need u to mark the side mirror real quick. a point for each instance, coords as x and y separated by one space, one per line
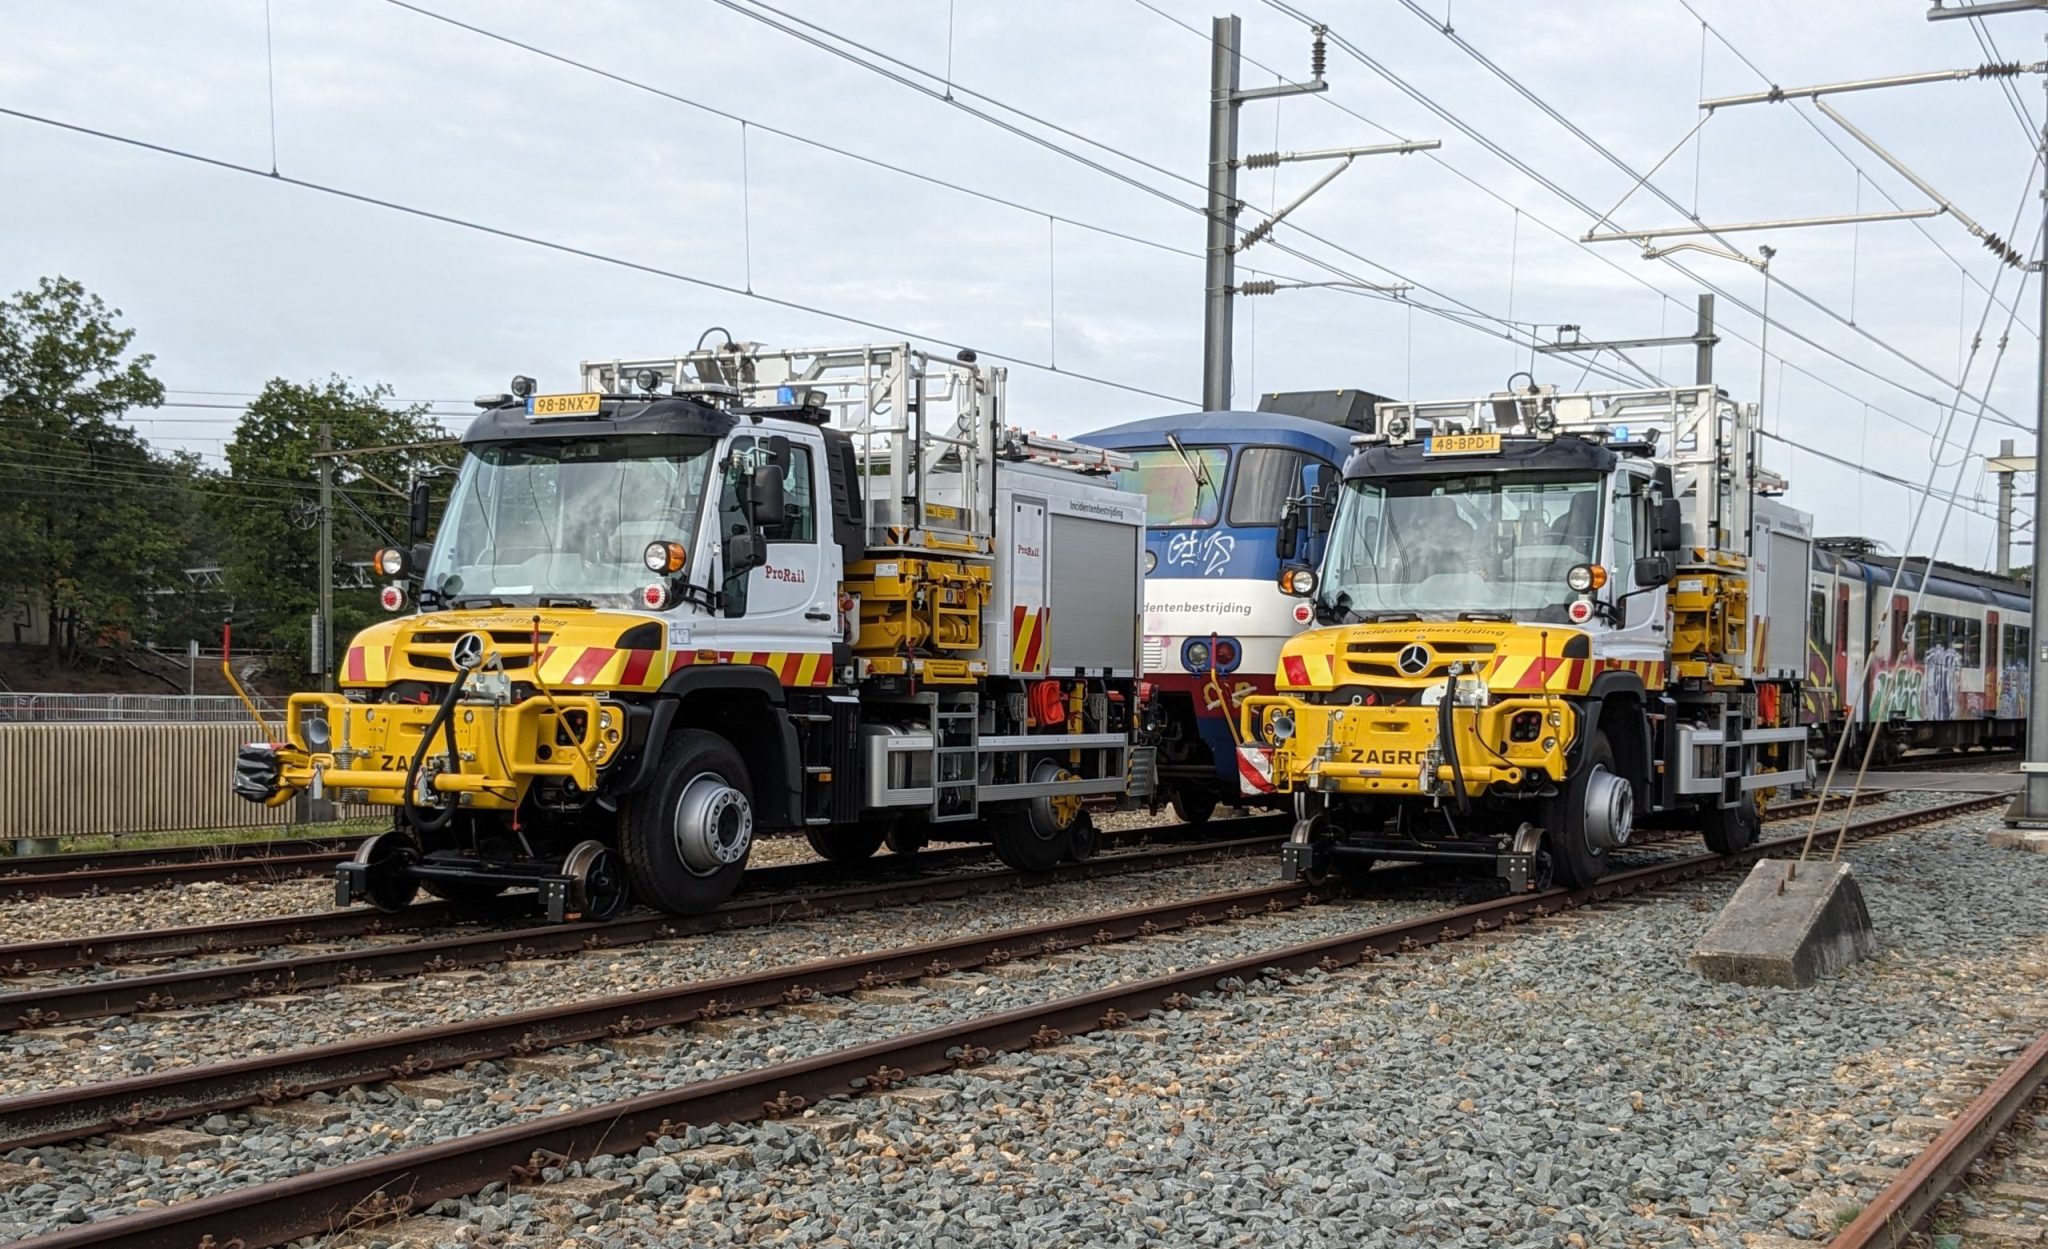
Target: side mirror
1322 496
763 499
1287 542
744 552
1665 537
419 515
1653 571
778 452
421 553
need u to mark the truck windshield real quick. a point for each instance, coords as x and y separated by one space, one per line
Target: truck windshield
567 518
1180 491
1490 543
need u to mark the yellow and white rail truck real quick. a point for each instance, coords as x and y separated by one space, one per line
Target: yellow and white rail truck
1542 619
734 591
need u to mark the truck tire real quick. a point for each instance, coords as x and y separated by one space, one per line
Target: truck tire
1578 857
1728 829
686 833
1193 805
1037 835
846 843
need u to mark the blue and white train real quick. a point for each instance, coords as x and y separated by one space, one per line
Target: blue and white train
1218 487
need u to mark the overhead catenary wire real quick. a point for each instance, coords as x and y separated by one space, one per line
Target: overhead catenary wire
570 249
1834 142
1557 189
788 24
1425 100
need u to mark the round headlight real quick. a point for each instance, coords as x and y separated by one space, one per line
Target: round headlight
647 380
1580 578
1195 655
1151 562
522 386
389 562
664 557
1300 582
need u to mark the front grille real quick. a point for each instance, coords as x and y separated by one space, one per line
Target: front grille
503 637
1376 659
1154 654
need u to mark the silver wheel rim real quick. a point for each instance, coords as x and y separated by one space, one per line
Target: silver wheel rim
1610 810
714 824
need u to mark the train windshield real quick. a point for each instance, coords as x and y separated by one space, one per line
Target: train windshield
1486 543
1183 487
567 518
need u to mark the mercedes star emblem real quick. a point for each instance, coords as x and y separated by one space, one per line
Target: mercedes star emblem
1413 660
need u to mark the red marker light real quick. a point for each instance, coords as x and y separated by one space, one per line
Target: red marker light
1296 670
1303 613
654 597
1580 611
392 597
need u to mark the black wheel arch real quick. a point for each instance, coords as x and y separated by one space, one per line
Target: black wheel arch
742 704
1618 705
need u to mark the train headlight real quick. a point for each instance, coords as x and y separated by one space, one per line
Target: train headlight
1299 581
1151 562
1194 655
1223 652
1585 578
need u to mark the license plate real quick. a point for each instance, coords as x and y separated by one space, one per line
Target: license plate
563 405
1462 444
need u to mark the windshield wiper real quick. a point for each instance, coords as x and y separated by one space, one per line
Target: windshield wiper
560 601
1486 615
1196 468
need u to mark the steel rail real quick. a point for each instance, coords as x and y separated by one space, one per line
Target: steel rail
331 1199
94 999
63 1114
12 866
1890 1217
63 884
148 944
145 944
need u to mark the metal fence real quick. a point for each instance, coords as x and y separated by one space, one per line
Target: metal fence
59 780
129 709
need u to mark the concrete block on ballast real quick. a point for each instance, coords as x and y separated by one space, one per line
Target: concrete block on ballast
1788 925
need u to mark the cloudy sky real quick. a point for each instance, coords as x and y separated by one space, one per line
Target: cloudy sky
685 179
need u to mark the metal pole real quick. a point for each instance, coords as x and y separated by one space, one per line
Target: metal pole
2005 512
325 634
2035 802
1703 334
1221 272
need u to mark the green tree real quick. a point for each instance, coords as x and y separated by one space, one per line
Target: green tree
91 521
266 512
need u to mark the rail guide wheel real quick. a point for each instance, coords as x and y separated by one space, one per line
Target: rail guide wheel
1307 855
597 881
386 861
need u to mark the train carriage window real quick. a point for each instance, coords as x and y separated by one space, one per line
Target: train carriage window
1817 623
1970 642
1923 635
1267 477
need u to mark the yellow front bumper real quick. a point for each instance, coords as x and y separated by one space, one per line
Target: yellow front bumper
1386 751
501 750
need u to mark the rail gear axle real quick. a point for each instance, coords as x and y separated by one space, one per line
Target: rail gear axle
1543 621
738 591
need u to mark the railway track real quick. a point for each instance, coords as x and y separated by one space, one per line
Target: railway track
157 944
44 1005
124 877
1904 1206
336 1197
